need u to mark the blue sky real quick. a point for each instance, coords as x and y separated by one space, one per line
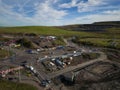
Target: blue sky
57 12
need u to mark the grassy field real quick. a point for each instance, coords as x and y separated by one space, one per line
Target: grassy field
94 38
100 42
42 30
6 85
109 38
113 32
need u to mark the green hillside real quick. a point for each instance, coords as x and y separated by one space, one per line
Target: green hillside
113 32
108 23
97 27
41 30
102 38
100 42
44 30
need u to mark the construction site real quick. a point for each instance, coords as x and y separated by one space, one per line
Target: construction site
52 66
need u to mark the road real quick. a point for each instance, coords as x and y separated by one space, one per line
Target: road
102 57
70 43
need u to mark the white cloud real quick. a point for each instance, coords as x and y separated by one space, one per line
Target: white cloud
113 12
104 16
111 15
73 3
82 6
46 11
45 14
90 5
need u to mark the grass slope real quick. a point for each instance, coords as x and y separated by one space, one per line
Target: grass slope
41 30
108 23
101 42
96 37
6 85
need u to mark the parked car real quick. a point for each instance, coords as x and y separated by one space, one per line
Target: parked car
44 83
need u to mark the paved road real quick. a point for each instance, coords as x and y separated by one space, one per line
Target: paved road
102 57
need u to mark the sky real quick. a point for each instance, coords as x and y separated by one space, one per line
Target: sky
57 12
